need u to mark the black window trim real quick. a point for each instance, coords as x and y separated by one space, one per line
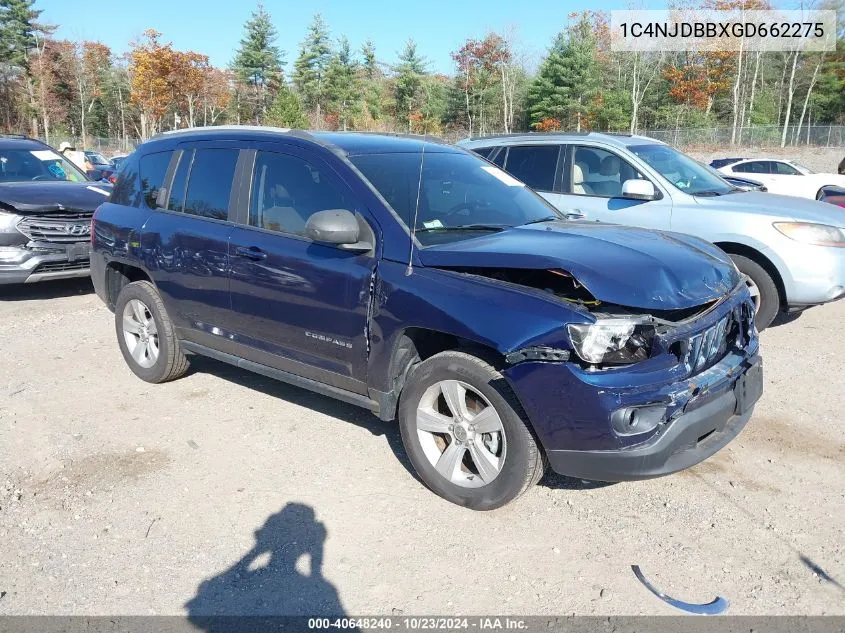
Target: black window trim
570 150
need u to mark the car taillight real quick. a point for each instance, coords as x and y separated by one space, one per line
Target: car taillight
113 179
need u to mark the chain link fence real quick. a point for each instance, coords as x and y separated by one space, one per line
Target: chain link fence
747 136
752 136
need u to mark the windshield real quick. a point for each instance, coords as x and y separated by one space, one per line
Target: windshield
682 171
459 195
19 165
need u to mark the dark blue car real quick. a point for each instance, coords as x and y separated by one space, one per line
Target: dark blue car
421 282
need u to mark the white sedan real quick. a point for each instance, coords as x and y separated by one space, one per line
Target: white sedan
780 176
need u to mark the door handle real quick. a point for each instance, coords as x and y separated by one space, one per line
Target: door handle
250 252
573 214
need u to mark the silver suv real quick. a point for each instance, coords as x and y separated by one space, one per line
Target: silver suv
790 249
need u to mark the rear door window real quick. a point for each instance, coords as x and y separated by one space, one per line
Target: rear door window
753 167
153 170
535 165
209 183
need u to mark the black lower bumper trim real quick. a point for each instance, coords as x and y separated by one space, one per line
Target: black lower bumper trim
687 440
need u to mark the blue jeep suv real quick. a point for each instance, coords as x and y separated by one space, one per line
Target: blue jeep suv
423 283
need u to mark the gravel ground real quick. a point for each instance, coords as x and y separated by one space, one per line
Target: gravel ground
228 492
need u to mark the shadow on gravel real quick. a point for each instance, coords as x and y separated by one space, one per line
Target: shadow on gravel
561 482
280 576
785 319
46 290
308 399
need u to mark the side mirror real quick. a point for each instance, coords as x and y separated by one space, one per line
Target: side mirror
637 189
338 227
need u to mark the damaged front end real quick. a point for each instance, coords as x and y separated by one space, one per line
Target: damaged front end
640 392
39 244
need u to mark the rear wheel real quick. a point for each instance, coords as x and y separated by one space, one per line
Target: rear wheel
146 336
763 289
465 432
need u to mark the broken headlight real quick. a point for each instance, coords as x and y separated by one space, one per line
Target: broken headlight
612 341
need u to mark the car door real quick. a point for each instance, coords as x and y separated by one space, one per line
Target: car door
185 243
592 188
301 306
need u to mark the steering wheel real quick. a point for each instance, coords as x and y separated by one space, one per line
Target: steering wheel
469 206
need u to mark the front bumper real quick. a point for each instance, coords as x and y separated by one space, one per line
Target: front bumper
40 262
690 438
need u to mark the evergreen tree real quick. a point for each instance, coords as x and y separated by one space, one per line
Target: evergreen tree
286 110
309 73
368 52
566 82
343 85
409 76
372 79
17 31
258 61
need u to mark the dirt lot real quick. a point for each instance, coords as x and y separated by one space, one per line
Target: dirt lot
228 492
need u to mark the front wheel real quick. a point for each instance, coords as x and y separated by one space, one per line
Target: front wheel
465 432
763 290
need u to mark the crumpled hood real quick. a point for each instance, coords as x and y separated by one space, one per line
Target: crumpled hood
40 196
776 206
632 267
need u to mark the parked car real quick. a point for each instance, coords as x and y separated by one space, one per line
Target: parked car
101 167
416 280
833 195
745 184
781 176
790 249
117 160
46 204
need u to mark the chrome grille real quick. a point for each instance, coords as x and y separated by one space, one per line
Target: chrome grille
49 267
707 347
56 228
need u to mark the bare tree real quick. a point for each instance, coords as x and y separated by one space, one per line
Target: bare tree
789 95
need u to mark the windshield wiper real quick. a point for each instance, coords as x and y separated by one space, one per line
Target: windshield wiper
708 193
465 227
549 218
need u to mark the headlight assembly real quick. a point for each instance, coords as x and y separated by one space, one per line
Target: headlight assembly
612 341
810 233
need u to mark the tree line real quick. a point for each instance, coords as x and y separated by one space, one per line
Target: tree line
55 88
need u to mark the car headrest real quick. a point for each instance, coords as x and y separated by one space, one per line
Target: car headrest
577 174
609 166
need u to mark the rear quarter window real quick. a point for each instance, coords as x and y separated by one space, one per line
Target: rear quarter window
127 189
153 169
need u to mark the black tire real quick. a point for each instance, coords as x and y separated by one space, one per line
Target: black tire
770 299
524 462
172 362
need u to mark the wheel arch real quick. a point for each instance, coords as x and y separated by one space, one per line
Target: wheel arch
118 275
415 344
736 248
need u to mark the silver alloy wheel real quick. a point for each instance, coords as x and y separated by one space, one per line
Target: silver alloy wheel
140 333
755 293
461 434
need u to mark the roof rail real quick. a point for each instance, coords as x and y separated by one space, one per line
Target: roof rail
22 136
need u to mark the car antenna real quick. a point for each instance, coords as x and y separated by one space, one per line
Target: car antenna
410 268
